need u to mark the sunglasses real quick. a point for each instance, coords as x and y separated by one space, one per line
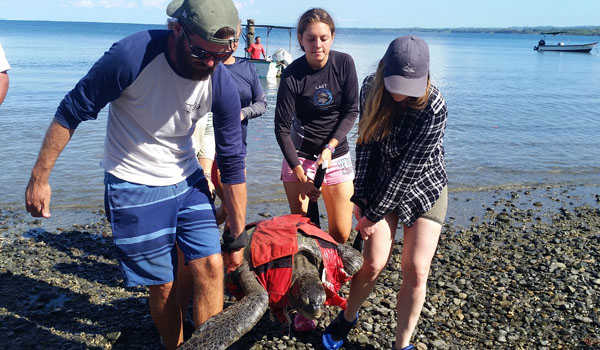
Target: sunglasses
201 54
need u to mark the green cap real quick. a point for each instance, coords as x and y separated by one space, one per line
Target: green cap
205 17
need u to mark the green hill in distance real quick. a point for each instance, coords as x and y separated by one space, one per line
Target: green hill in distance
584 30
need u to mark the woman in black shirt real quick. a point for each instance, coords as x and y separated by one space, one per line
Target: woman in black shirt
317 105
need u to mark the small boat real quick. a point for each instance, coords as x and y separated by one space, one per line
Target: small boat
273 65
560 46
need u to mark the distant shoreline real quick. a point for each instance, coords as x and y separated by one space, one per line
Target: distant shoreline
580 30
573 30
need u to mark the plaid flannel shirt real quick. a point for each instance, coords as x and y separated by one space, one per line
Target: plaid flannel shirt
405 172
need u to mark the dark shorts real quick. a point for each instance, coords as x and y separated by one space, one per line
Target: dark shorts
147 221
438 212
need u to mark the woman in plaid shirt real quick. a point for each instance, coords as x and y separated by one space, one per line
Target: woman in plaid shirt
400 176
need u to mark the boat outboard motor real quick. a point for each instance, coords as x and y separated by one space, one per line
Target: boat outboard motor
281 56
540 43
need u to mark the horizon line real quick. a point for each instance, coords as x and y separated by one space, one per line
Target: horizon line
392 28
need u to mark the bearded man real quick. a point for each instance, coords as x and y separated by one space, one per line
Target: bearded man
159 83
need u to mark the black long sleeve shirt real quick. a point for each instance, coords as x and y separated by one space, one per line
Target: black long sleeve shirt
314 106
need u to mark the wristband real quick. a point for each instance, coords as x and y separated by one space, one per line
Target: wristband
231 243
331 148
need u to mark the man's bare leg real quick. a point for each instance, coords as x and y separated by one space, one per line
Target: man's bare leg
208 287
166 314
183 284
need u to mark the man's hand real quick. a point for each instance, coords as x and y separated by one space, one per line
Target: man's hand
38 191
211 189
233 259
37 198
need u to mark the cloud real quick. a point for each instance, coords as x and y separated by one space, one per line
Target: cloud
83 3
243 4
239 5
339 19
116 3
161 4
104 3
247 9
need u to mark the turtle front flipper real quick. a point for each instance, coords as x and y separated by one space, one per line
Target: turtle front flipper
352 259
228 326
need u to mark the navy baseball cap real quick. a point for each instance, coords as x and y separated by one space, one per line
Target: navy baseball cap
406 66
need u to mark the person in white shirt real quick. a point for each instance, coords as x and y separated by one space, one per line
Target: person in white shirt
4 67
158 85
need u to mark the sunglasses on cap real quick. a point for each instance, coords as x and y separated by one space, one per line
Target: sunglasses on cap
201 54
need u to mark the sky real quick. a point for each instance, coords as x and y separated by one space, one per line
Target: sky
346 13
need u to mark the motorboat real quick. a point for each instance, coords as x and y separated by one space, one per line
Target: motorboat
560 46
273 65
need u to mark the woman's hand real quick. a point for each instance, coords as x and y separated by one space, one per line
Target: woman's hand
357 212
327 153
325 157
308 187
299 172
366 227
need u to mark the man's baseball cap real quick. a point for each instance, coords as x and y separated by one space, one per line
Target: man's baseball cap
406 66
205 17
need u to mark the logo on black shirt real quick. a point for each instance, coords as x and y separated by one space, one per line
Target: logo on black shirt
323 97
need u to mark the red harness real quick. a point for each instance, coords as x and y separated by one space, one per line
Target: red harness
274 244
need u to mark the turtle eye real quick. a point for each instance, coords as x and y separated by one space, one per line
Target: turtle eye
305 300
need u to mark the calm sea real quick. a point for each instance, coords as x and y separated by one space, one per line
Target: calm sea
517 117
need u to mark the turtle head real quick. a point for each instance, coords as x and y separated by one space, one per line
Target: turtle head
307 296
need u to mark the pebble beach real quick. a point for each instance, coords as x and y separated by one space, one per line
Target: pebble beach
515 269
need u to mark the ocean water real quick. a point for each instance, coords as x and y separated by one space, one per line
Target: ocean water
517 117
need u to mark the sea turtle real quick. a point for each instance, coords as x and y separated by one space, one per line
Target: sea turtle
289 263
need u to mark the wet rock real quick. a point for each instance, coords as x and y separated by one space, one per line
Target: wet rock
113 336
516 275
503 217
